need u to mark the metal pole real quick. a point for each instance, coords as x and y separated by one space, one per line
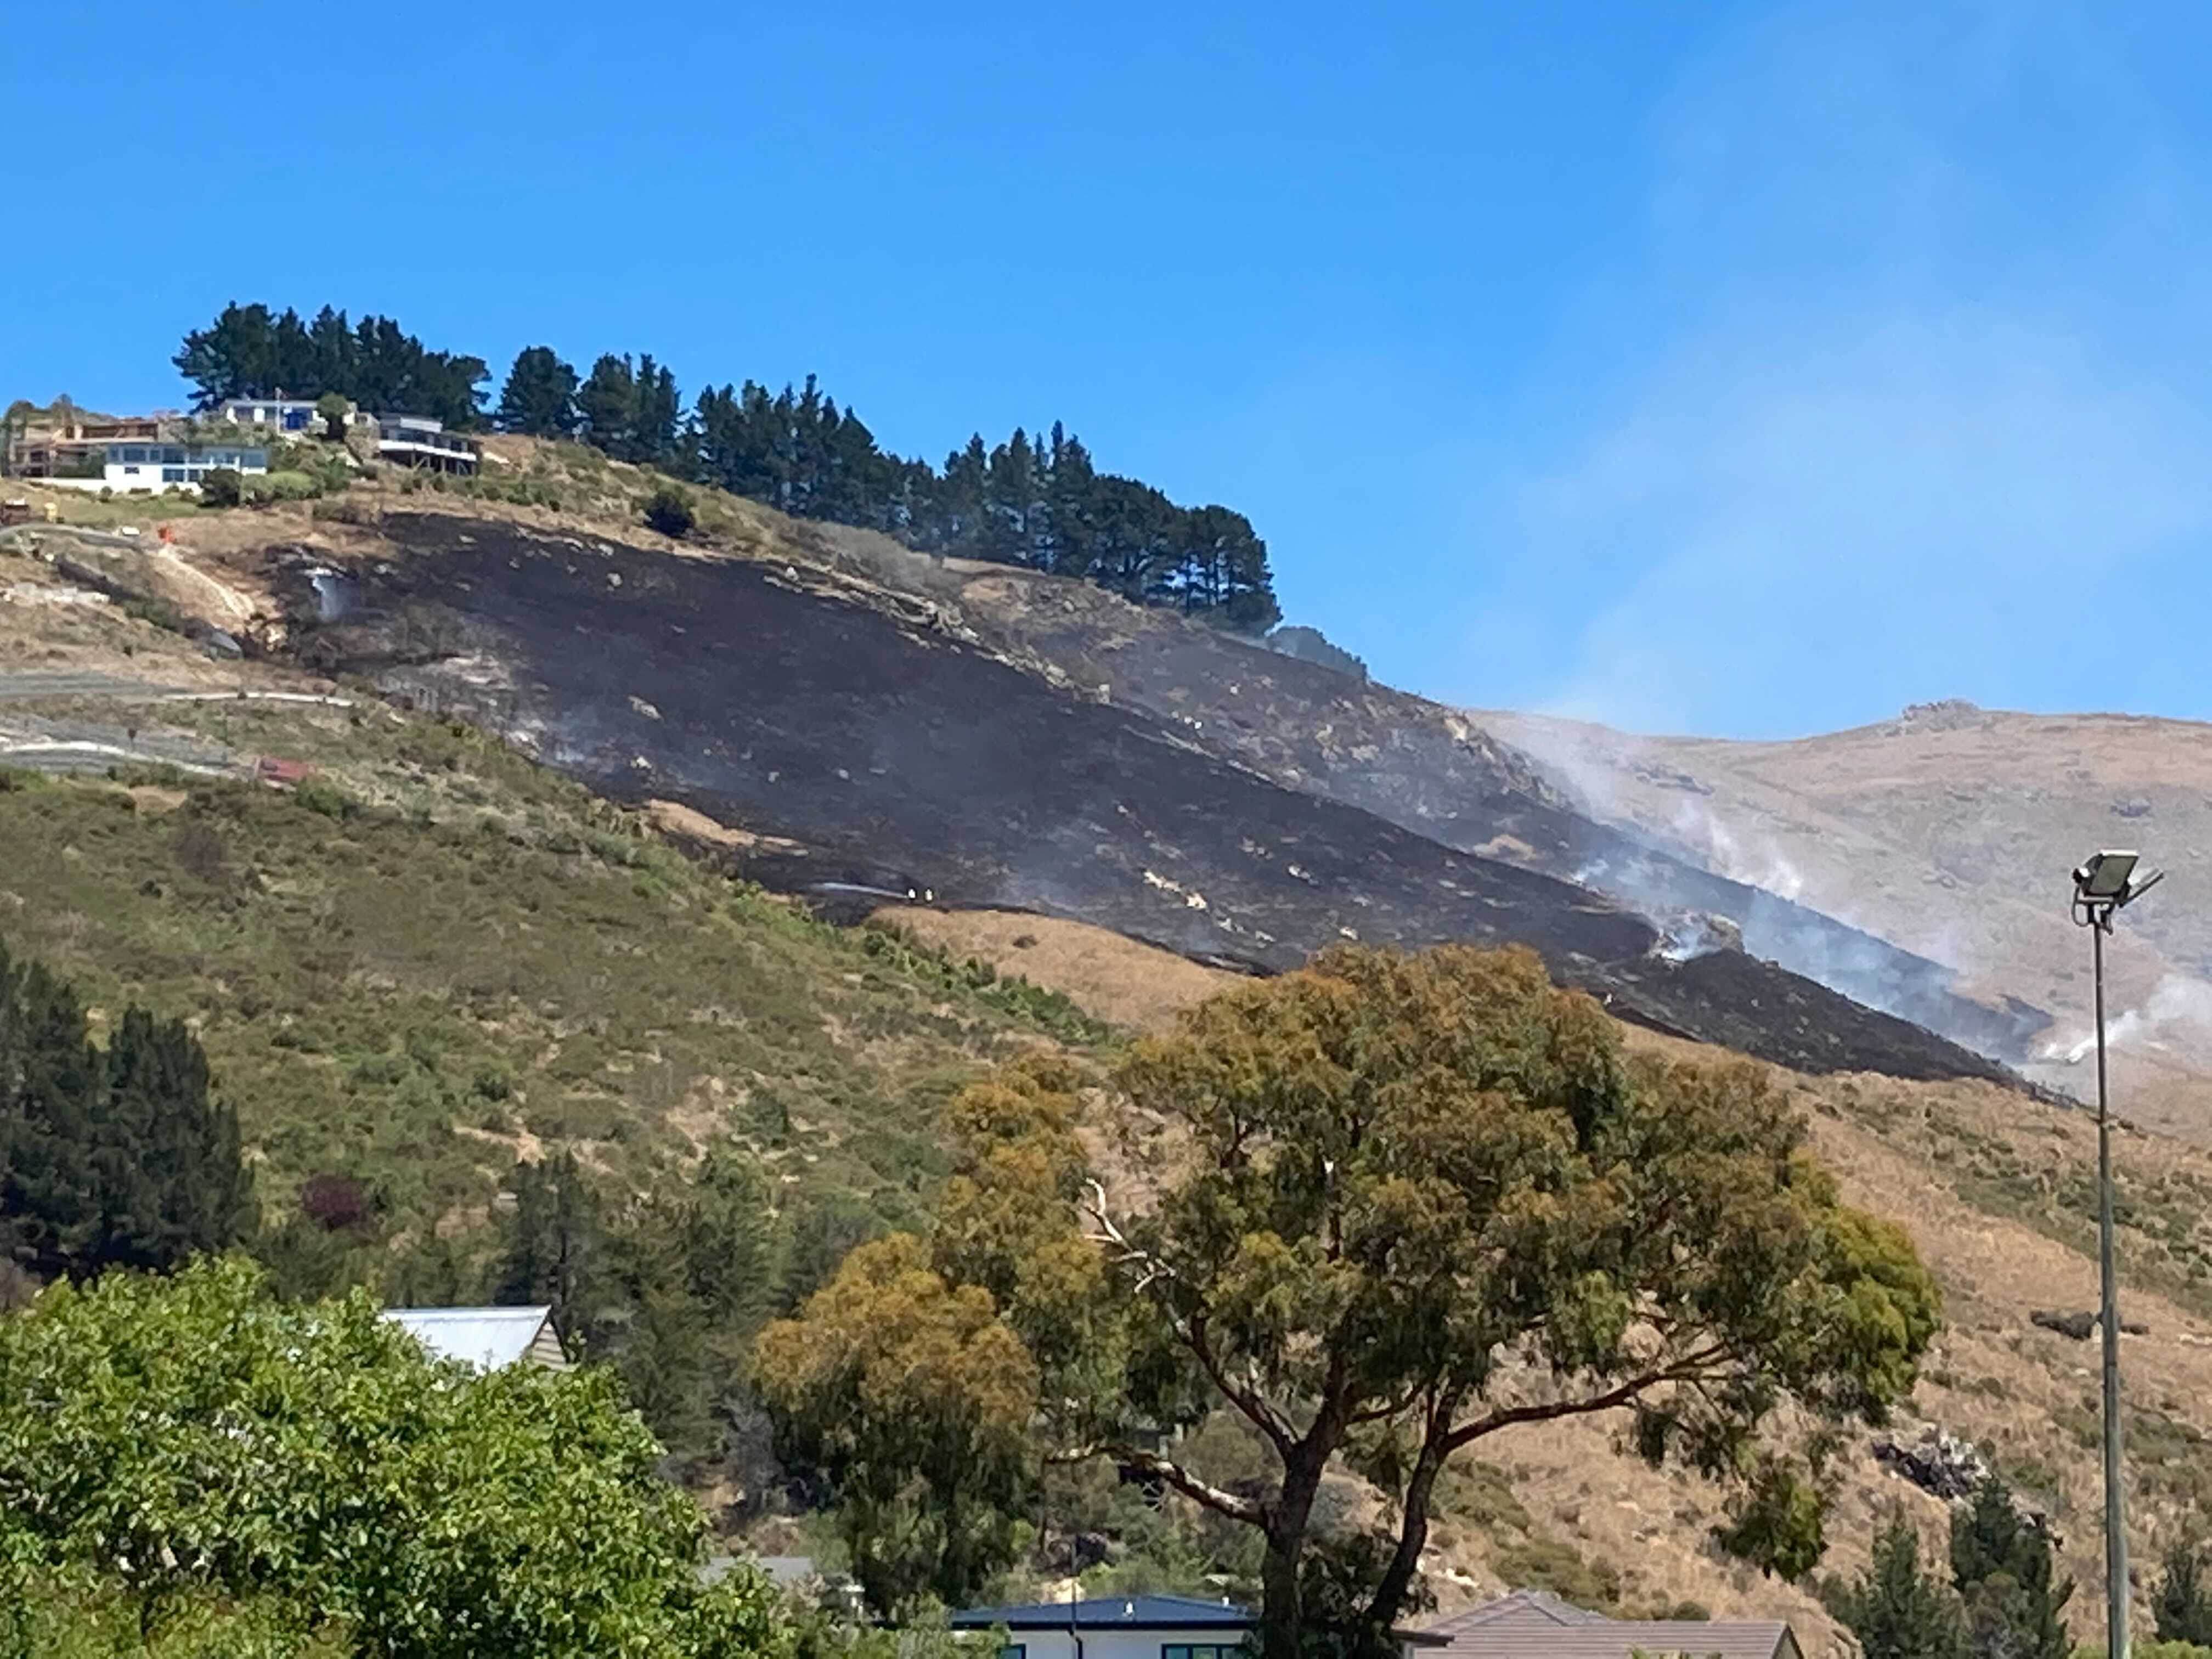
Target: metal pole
2116 1537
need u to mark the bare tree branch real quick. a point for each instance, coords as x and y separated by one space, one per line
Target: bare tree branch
1689 1369
1214 1497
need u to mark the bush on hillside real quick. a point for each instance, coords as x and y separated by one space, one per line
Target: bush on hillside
285 486
222 486
668 510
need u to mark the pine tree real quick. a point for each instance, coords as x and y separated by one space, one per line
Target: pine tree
121 1158
659 411
2002 1567
2182 1608
178 1184
557 1248
606 404
50 1184
539 397
1897 1610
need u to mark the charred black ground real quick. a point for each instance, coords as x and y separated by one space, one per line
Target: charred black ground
895 757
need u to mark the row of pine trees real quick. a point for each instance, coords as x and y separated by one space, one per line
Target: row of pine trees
1037 501
113 1156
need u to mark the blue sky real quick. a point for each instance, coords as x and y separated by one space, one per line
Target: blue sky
1747 369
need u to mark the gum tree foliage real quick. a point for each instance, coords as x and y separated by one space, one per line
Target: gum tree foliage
1413 1202
904 1380
170 1441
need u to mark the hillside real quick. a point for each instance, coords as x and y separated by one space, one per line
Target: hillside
876 741
435 954
1950 831
440 954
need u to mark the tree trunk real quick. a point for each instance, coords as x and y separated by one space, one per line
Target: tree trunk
1282 1618
1414 1525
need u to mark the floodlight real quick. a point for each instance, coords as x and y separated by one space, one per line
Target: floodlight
2103 886
2104 878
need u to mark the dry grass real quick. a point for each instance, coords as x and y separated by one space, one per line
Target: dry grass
1118 980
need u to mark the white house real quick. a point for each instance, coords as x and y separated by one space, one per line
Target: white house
123 467
1132 1627
489 1338
1533 1625
284 414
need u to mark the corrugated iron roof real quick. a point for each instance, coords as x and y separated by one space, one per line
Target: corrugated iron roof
487 1338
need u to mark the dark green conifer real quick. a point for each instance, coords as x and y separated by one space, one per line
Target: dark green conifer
2001 1565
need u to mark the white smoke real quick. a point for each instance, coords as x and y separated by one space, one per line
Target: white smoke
2178 1011
1725 853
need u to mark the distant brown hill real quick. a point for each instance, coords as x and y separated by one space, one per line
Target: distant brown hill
1950 831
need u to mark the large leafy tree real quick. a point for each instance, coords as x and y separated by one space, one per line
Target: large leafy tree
1414 1202
192 1435
1428 1199
905 1382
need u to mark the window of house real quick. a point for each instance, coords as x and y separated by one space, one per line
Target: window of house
1199 1650
1015 1651
172 475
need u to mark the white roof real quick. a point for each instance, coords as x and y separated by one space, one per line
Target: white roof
487 1338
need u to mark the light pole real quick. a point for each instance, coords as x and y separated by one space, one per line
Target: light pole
2103 886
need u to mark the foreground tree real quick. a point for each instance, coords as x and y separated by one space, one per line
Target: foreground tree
1419 1201
1429 1199
904 1384
1897 1610
339 1476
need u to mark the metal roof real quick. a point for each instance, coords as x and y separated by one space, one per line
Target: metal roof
1119 1612
1533 1625
487 1338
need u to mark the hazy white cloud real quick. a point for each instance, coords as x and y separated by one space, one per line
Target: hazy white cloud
1929 371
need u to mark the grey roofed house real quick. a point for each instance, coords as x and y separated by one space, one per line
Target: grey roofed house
489 1338
1132 1627
1533 1625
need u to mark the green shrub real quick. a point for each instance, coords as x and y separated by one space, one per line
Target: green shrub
319 796
222 486
284 487
668 510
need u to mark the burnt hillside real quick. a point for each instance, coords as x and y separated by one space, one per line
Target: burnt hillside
1444 775
884 751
